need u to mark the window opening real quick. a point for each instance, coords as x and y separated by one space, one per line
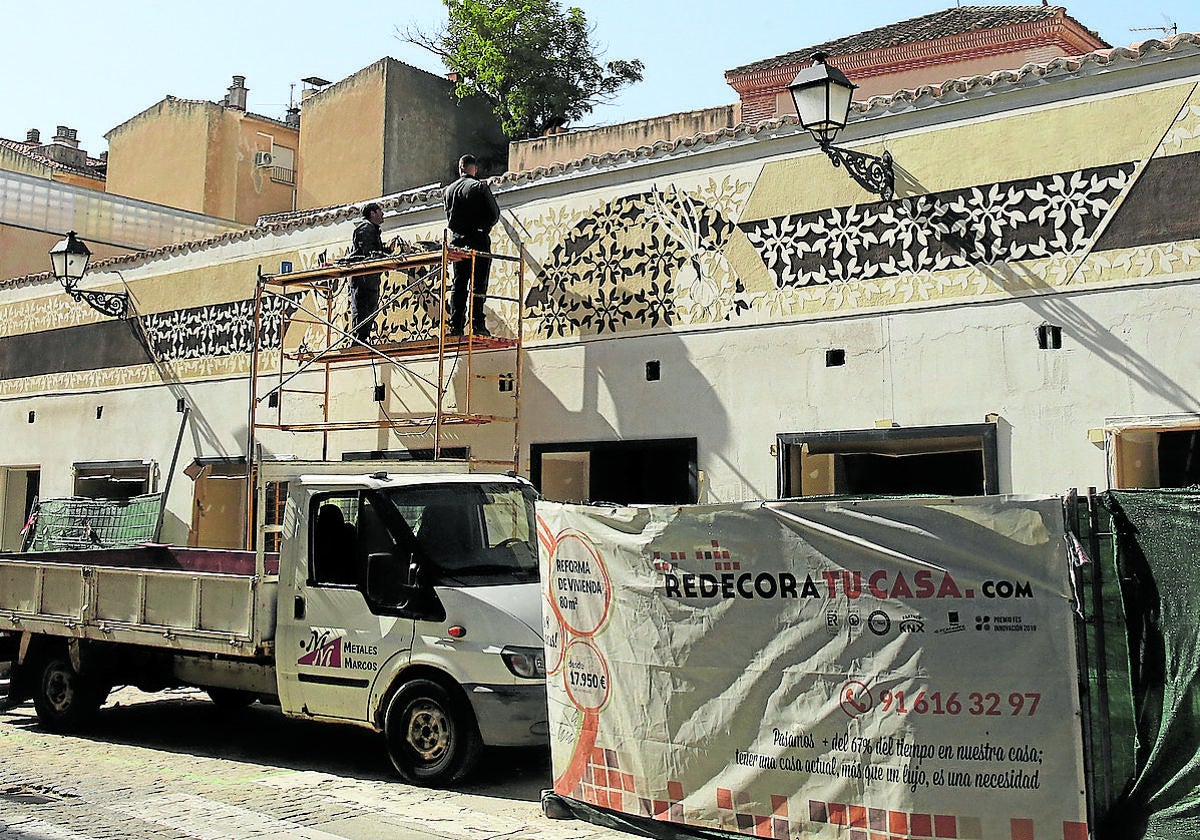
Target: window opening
661 471
113 479
942 460
334 554
1179 458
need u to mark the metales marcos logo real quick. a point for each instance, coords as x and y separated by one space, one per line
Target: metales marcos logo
322 649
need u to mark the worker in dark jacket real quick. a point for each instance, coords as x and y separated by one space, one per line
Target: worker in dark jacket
471 212
366 244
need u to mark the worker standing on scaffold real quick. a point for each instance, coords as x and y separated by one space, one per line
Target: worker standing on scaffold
471 212
366 244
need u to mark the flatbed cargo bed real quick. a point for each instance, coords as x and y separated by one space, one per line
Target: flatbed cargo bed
182 599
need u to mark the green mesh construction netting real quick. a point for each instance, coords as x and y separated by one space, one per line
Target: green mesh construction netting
79 524
1156 589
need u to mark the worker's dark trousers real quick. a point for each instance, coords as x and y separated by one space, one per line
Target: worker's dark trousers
462 284
364 300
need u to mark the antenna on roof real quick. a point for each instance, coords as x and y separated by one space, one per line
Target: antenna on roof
1170 29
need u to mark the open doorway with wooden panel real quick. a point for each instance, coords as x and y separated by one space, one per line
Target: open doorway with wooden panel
958 460
218 502
1151 452
20 487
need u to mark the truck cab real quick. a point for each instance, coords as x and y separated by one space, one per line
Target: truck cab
411 604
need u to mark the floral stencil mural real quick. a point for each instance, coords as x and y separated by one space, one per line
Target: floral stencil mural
1048 216
651 259
665 258
219 329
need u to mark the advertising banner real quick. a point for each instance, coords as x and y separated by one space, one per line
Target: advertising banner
869 670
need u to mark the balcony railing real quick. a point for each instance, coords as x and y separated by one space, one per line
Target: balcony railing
283 175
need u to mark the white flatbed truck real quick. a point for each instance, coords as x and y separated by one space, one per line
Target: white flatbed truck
404 602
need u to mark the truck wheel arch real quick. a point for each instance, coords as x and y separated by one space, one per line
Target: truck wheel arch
430 730
33 652
407 675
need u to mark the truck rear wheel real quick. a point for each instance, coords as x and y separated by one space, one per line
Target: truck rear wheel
66 700
8 693
432 738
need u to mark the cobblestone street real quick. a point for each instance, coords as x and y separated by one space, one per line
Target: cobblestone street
173 766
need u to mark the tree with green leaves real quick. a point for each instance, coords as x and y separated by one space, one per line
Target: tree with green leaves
533 60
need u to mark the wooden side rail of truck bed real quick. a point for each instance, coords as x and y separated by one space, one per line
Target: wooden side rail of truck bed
183 599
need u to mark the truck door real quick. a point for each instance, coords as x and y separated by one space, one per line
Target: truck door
335 639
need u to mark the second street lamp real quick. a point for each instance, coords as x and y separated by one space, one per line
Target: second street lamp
822 94
69 260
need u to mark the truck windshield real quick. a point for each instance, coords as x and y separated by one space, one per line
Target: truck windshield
472 534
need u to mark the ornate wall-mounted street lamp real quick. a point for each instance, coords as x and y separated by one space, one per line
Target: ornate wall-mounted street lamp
69 260
822 95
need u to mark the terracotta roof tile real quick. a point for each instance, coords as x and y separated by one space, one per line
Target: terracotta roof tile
1063 65
27 150
924 28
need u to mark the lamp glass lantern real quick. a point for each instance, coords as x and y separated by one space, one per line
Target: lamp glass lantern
69 259
822 95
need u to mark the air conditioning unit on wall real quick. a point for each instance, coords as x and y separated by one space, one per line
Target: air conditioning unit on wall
262 159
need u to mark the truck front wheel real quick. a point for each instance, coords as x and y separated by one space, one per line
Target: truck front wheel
66 700
432 738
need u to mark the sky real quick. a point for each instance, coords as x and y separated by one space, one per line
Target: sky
91 66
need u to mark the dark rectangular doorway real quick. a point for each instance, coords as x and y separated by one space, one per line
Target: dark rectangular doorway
660 472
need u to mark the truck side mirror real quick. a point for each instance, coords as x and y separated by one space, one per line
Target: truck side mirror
388 581
394 583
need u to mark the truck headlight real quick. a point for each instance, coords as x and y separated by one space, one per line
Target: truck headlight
526 662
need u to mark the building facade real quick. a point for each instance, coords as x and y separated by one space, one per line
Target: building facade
47 189
214 158
387 128
721 319
62 159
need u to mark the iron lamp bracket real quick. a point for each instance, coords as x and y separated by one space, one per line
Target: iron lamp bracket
112 304
874 174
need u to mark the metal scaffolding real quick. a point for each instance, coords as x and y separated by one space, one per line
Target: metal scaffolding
297 315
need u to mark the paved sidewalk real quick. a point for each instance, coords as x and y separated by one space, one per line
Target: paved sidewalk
172 766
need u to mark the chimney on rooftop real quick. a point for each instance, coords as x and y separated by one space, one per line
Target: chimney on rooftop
67 137
64 148
293 117
236 98
312 84
33 136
